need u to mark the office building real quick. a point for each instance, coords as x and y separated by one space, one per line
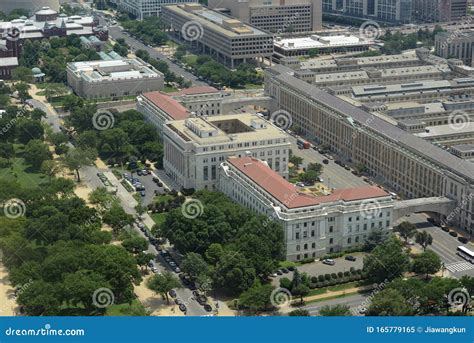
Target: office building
439 10
158 107
227 39
302 46
112 79
457 44
314 225
386 11
408 164
7 65
195 147
145 8
276 16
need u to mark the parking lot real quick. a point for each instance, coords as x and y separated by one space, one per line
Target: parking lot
334 175
319 268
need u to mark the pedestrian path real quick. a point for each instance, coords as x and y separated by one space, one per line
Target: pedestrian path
459 266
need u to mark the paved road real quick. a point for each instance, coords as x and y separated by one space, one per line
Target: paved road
355 302
334 176
445 246
115 32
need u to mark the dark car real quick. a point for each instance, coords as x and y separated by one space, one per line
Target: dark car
155 179
279 272
207 308
182 307
142 193
463 240
291 268
350 258
172 293
284 270
326 161
346 167
453 233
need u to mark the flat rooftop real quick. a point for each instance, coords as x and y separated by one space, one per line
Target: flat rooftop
316 41
110 70
217 21
288 194
230 128
367 120
447 130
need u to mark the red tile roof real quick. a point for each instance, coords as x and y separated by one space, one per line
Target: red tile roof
169 105
196 90
288 194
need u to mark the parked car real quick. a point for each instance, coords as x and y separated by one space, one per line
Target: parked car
463 240
350 258
329 261
182 307
207 308
142 193
453 233
172 293
325 161
279 272
284 270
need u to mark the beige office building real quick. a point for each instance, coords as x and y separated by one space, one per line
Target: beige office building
412 166
227 39
276 16
314 225
195 147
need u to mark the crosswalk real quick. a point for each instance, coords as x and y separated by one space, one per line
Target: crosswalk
459 266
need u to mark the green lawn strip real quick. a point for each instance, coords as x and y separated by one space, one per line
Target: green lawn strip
318 291
331 297
158 218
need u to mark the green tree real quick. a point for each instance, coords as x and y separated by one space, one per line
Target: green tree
389 302
406 230
299 313
374 239
309 176
36 152
77 158
424 239
40 299
427 263
296 161
29 129
163 283
257 298
50 169
144 258
336 310
194 265
386 262
22 74
135 244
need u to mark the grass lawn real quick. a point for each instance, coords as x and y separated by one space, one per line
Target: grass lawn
331 297
158 218
253 86
286 264
335 288
135 309
20 171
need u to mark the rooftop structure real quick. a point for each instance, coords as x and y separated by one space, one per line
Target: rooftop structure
112 78
194 147
145 8
300 46
231 40
160 107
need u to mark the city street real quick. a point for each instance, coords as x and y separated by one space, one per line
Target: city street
353 301
444 245
334 175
